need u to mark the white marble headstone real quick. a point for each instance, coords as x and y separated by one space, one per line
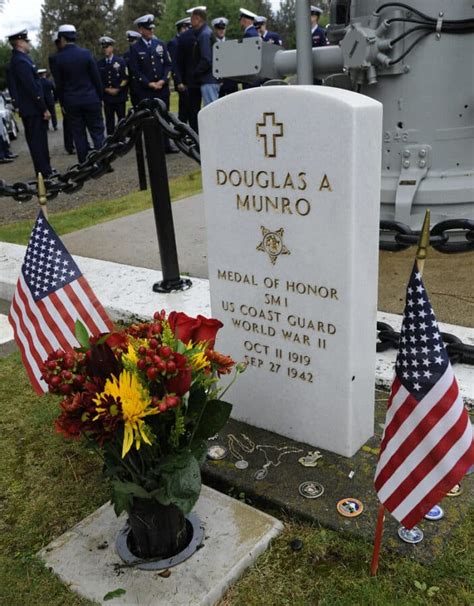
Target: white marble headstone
291 180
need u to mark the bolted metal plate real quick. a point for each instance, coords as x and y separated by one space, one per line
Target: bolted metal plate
234 58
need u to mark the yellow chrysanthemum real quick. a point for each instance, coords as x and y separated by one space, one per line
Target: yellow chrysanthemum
130 357
135 401
199 361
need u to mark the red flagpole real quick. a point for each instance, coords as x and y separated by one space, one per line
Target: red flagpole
377 541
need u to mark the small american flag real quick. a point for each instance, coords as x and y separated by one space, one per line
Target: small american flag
427 443
51 294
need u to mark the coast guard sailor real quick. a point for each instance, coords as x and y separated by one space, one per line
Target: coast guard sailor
29 99
228 86
247 22
132 37
318 33
185 61
182 26
49 92
265 35
79 90
113 72
150 65
67 130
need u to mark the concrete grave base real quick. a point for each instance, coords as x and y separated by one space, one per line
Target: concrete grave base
235 535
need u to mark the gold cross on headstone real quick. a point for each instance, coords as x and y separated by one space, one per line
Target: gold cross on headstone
269 130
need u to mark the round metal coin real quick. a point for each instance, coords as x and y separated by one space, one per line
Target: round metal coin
241 464
435 513
216 452
311 490
415 535
260 474
350 508
455 491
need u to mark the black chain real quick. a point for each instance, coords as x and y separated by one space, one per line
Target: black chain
451 236
387 338
116 145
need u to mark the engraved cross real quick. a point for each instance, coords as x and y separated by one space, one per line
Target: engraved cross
268 130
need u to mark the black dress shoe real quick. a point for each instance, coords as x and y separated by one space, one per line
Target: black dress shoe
5 160
70 151
11 155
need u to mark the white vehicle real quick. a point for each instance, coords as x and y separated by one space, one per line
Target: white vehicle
8 118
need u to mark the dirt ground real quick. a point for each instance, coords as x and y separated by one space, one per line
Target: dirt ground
448 278
122 181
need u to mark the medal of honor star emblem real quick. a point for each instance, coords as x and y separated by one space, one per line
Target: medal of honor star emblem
272 243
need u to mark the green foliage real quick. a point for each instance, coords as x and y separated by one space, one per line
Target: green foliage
116 593
215 415
5 55
81 334
179 427
180 482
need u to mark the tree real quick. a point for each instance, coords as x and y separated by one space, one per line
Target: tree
285 23
5 56
91 19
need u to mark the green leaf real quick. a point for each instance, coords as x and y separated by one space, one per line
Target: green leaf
180 482
81 334
199 450
114 594
197 399
123 493
417 584
215 415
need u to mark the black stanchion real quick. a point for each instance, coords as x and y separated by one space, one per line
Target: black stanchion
140 163
160 193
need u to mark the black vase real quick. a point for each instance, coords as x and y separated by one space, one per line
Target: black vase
157 531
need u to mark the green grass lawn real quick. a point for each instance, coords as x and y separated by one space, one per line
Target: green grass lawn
48 484
99 212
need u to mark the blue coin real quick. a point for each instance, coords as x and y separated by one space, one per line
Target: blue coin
435 513
415 535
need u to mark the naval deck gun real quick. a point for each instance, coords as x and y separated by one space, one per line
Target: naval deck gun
417 59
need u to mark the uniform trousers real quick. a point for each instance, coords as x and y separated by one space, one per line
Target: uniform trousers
195 99
52 110
86 118
183 106
36 134
111 110
67 134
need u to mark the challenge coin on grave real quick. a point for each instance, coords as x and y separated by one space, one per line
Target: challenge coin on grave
216 452
311 459
311 490
435 513
350 508
241 464
415 535
455 491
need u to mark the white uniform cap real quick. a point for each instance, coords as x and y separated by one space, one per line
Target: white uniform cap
66 29
220 22
105 40
260 19
130 33
243 12
145 21
190 11
185 21
316 10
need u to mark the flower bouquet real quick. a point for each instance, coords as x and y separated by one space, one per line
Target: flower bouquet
147 398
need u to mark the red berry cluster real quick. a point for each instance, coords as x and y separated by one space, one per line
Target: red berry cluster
166 403
64 372
156 360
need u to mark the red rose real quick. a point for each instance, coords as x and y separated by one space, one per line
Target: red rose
181 382
200 329
207 330
182 325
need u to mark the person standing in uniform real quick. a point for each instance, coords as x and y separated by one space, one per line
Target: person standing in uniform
132 37
203 56
49 92
182 25
150 64
30 101
247 22
113 72
265 35
228 86
80 91
67 130
185 68
318 33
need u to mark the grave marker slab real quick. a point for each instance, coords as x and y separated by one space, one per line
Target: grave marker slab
291 180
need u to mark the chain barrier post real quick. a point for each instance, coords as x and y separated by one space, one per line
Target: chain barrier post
140 162
160 193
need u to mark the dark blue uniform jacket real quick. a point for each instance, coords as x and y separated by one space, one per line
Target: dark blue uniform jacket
114 75
319 37
185 58
251 32
25 86
49 92
149 64
77 77
272 37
